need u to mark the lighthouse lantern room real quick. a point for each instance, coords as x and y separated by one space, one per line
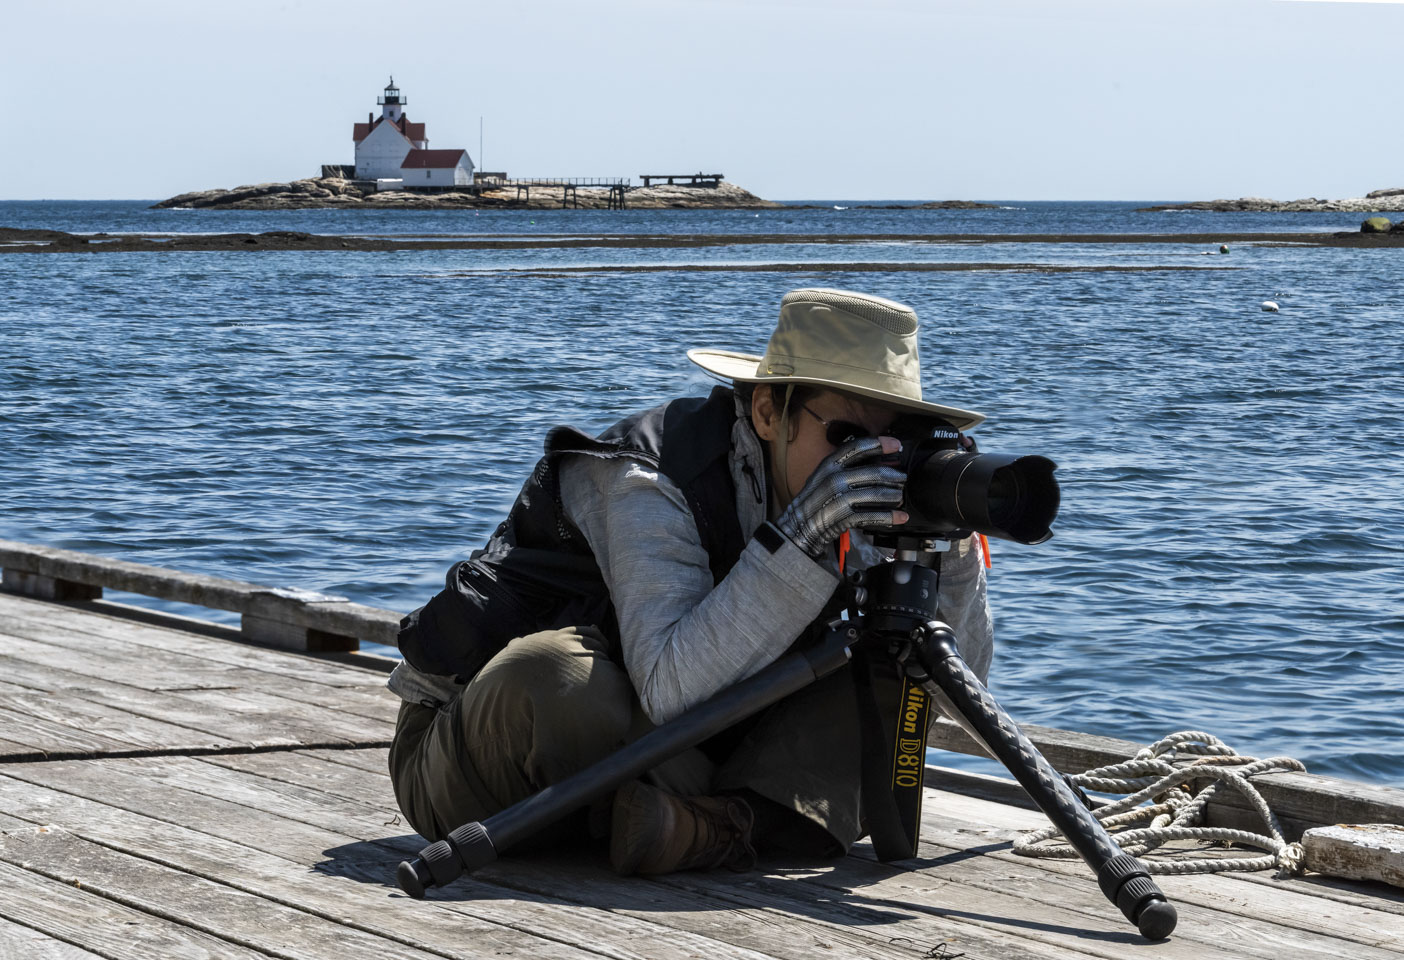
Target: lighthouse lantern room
392 104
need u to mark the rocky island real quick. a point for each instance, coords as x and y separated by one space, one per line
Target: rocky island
1376 201
337 192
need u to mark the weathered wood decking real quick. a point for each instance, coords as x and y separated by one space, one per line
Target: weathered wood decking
167 791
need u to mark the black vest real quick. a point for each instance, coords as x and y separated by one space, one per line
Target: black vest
537 572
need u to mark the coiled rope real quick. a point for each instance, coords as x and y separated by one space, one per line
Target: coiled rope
1161 774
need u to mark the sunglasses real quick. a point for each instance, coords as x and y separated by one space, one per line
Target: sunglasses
839 432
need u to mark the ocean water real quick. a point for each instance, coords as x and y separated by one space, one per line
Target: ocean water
1230 552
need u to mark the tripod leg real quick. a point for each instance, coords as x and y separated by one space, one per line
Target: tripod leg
1122 877
477 844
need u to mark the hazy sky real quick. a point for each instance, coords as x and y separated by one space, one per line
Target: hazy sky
793 99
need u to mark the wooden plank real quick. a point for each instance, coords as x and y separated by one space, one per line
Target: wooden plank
1372 851
148 668
587 882
347 714
1255 930
374 760
122 784
615 931
136 667
124 663
204 905
39 738
352 890
1032 910
1299 799
1213 891
205 728
954 824
303 608
52 621
24 943
197 721
615 912
957 786
362 817
115 931
771 910
166 619
312 772
353 894
273 829
57 722
991 880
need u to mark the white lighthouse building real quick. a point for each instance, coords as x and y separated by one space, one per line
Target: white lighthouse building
390 147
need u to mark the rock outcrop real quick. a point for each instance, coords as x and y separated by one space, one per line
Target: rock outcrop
332 192
1376 201
957 205
1375 225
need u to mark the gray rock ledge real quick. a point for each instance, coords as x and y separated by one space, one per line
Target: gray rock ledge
1376 201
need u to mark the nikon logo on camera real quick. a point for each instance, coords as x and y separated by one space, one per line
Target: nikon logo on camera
909 759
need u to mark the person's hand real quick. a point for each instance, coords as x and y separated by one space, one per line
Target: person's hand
850 488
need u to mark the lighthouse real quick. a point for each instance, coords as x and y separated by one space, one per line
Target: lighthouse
392 105
391 148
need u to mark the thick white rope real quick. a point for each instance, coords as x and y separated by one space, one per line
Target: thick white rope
1159 774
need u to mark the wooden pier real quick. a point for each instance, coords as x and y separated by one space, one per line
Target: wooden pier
693 179
170 789
618 187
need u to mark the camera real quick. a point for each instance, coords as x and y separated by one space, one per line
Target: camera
951 493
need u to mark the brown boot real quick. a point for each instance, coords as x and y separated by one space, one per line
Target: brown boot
656 832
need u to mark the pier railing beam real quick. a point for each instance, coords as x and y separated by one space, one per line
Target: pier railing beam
287 618
292 636
48 588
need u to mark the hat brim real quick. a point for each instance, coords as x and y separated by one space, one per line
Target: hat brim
744 367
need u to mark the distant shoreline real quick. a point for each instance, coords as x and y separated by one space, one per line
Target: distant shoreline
1376 201
57 241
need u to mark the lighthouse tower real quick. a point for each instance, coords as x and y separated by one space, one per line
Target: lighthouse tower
392 105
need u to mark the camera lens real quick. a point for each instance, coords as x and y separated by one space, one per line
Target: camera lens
1009 497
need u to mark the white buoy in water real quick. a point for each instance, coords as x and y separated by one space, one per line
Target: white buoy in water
1269 306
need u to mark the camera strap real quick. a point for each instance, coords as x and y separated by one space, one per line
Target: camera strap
894 757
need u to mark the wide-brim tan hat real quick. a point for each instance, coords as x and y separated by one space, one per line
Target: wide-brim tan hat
851 342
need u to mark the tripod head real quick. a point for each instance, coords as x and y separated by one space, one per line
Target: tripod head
901 595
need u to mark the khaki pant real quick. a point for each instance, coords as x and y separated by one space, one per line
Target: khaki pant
553 703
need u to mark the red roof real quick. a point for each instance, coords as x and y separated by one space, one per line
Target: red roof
411 131
424 159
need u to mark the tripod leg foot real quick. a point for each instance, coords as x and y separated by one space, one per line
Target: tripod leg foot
413 877
1157 920
1126 883
439 864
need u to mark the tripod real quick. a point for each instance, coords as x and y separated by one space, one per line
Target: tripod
896 608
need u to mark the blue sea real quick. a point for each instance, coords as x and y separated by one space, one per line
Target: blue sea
1230 552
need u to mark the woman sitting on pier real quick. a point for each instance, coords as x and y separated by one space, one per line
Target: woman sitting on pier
643 571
